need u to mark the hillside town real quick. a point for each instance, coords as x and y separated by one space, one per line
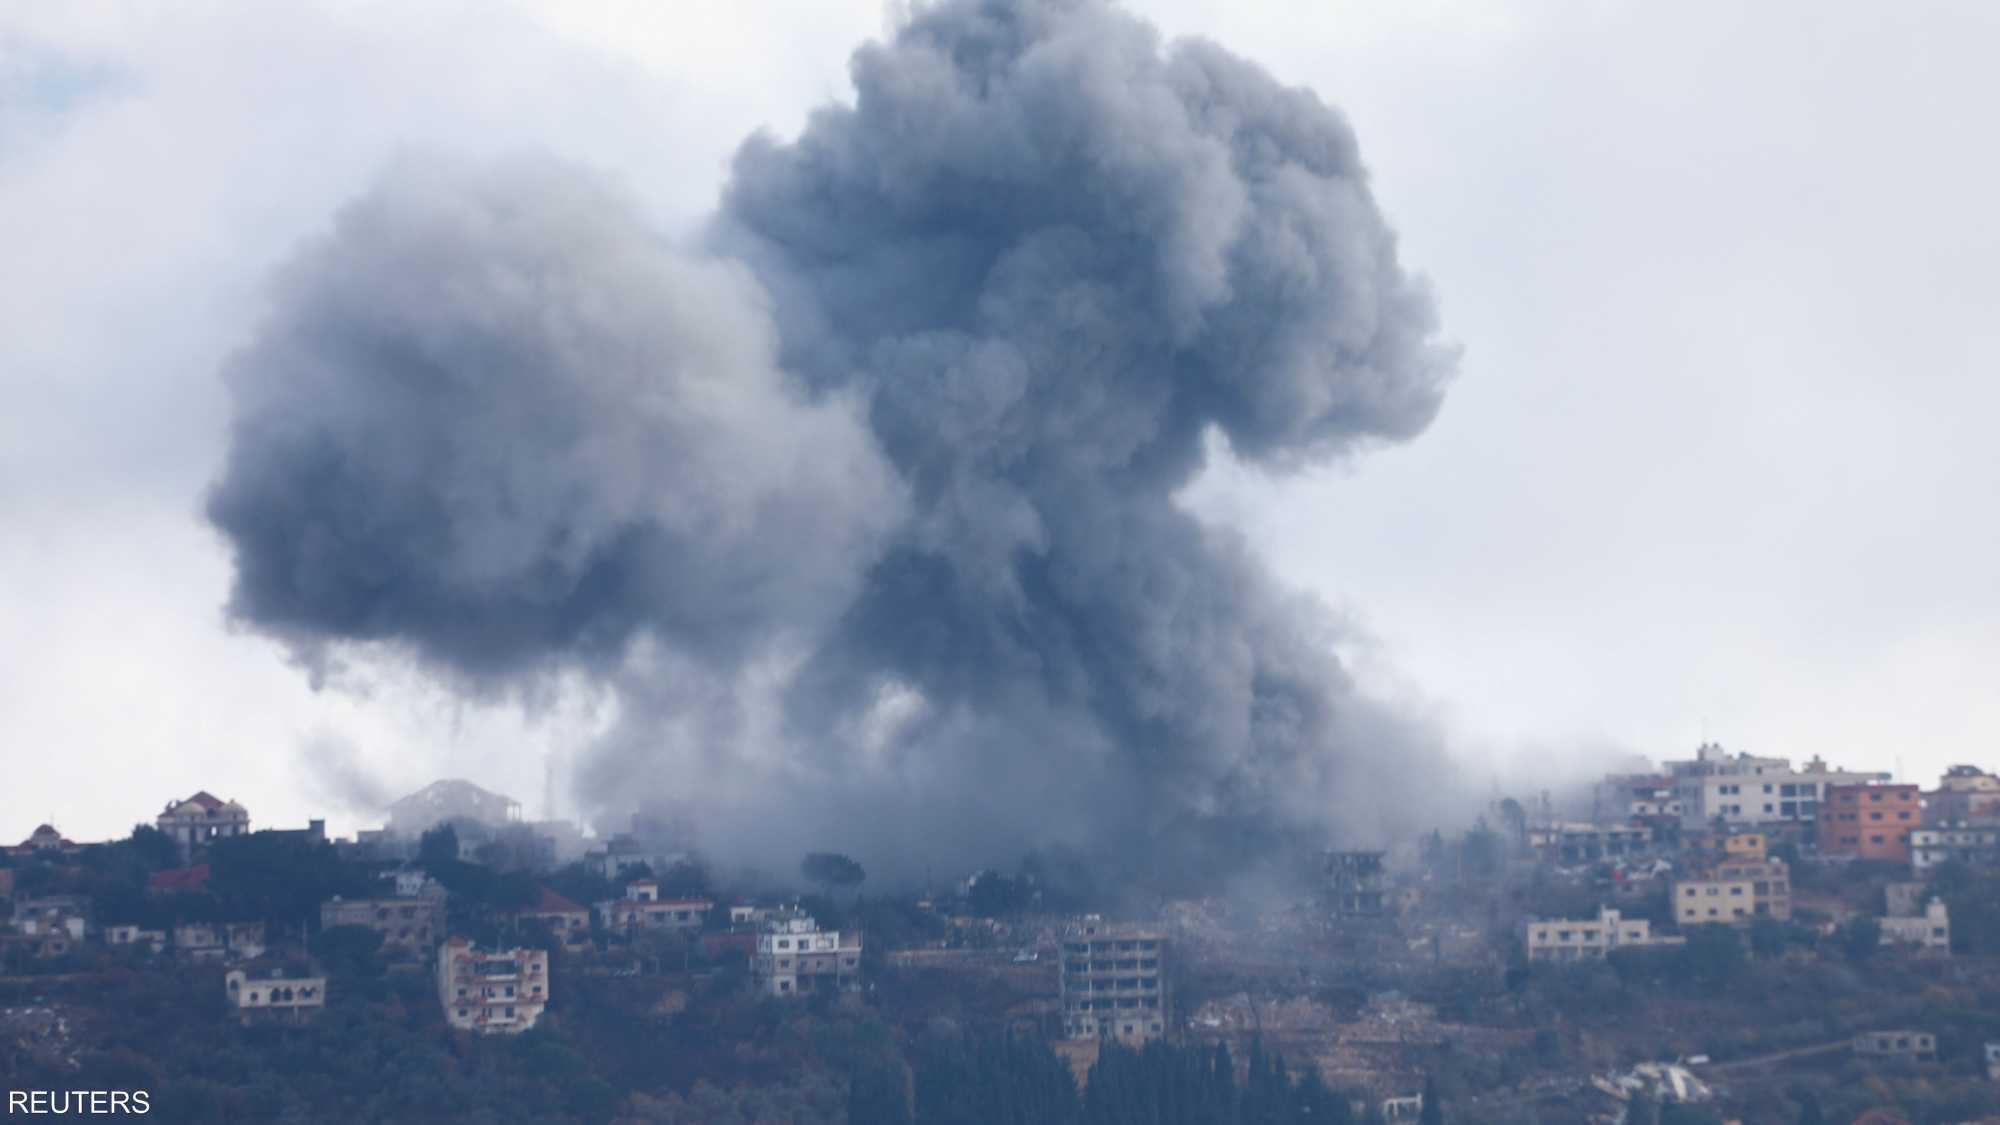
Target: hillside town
1729 937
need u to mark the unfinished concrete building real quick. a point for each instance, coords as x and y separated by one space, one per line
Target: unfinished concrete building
1113 982
1355 885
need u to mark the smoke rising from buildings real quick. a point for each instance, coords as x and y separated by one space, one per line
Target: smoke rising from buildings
864 507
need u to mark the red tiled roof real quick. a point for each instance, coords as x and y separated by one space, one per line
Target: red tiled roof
179 878
205 799
553 903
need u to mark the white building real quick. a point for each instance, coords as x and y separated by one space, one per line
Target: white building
200 820
1961 842
1746 789
1564 940
642 908
1930 930
499 992
271 994
794 957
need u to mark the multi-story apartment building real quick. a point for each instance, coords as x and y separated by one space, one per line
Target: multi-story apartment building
271 994
1744 789
495 992
1114 982
1714 899
794 957
407 925
1770 884
1968 843
1562 939
201 820
1355 883
1734 892
1576 842
1869 821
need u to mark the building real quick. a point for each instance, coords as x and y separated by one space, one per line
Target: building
236 941
201 820
178 880
1734 892
1973 843
272 994
565 920
1964 793
1354 883
1869 821
1114 982
1929 931
642 908
1582 842
1744 789
134 935
1912 1045
1633 798
1770 884
1745 845
499 992
45 840
1903 900
1565 940
1993 1061
451 801
794 957
6 882
52 925
409 925
1714 899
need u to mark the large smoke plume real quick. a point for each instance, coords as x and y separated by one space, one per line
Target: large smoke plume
864 506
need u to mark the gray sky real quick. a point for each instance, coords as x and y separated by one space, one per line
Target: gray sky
1714 461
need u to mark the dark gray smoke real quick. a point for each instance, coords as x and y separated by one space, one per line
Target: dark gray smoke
869 514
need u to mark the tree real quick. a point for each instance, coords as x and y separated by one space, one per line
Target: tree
831 869
1810 1112
1433 1113
1861 938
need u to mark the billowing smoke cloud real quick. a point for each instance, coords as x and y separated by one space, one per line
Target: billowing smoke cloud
868 512
495 418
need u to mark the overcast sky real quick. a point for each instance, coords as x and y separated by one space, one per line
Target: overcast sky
1716 461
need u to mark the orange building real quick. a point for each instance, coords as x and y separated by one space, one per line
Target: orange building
1869 821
